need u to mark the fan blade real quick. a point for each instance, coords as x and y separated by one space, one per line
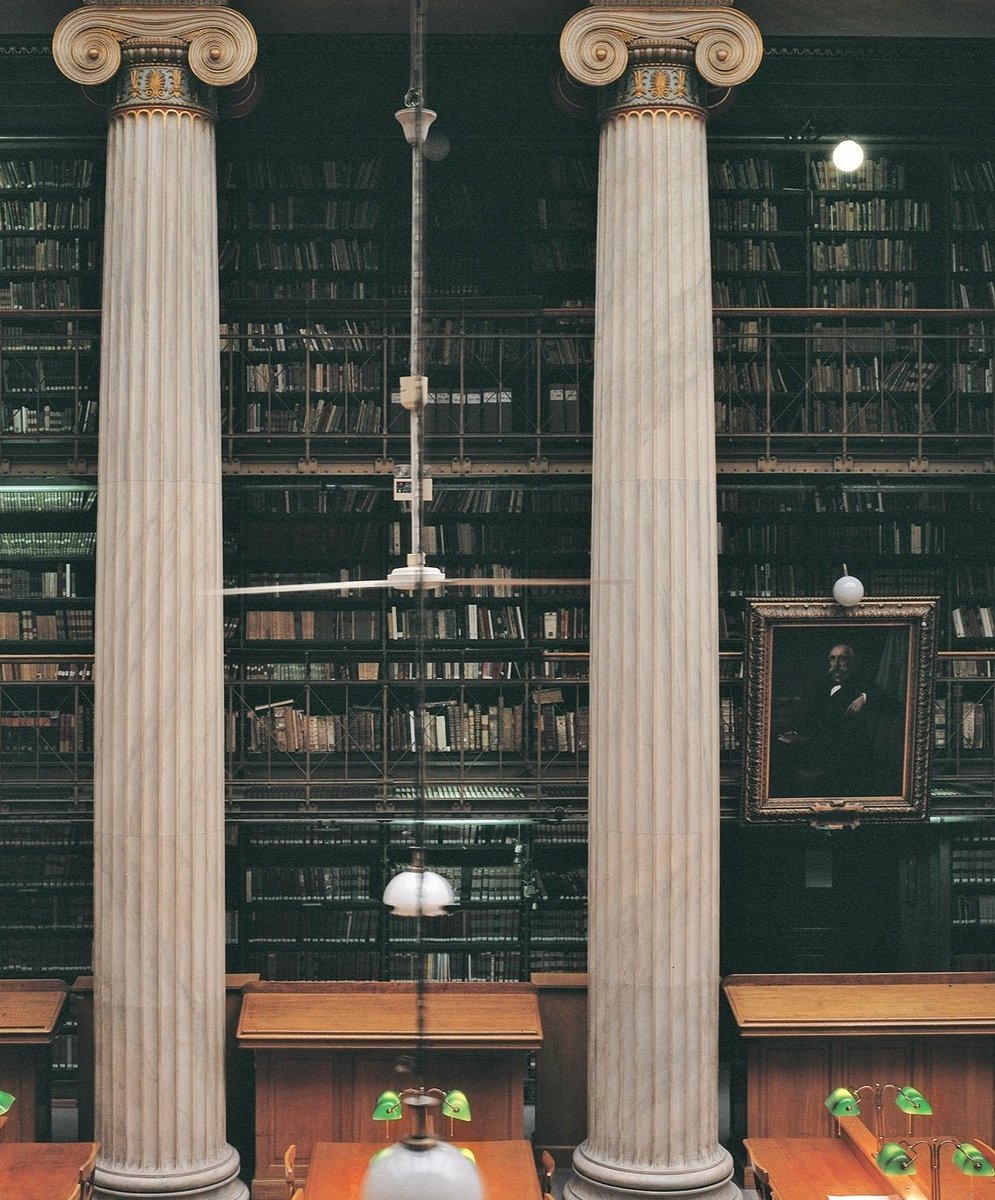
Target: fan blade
515 581
349 585
332 585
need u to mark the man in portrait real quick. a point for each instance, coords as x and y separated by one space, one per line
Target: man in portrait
843 736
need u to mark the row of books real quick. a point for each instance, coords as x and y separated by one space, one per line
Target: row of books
349 881
41 292
845 292
888 537
972 216
321 924
568 884
867 254
486 540
443 966
973 621
21 174
975 910
308 625
47 214
49 254
66 624
965 725
313 254
730 215
69 956
17 671
52 732
564 732
313 375
972 256
873 215
471 925
873 174
973 862
279 175
47 837
558 924
469 622
25 581
745 254
38 500
53 872
31 911
362 416
299 287
299 212
47 418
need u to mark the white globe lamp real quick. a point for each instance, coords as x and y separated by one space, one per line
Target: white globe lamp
848 155
416 892
410 1171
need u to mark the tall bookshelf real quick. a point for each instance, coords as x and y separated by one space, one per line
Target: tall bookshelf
321 694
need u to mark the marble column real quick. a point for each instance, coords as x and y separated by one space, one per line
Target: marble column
158 825
654 920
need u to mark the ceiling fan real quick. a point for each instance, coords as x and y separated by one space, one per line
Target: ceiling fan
416 575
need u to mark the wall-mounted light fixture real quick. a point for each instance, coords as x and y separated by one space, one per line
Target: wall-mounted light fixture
848 591
848 155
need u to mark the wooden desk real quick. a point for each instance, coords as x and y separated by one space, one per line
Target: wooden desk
803 1035
325 1051
29 1013
561 1065
507 1169
815 1168
42 1170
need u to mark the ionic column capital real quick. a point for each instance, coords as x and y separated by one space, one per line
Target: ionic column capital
221 44
595 42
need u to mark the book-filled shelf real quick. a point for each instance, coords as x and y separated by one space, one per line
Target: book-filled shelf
855 386
331 687
311 903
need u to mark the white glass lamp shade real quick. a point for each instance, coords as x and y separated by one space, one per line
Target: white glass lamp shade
418 893
848 155
403 1173
848 591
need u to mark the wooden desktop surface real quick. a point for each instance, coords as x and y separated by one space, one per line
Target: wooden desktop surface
42 1170
507 1169
29 1009
867 1005
383 1020
817 1168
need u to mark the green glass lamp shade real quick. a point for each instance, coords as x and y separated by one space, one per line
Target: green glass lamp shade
6 1100
911 1100
969 1160
894 1159
841 1102
456 1105
388 1107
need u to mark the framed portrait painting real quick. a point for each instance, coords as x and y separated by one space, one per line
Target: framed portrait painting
839 709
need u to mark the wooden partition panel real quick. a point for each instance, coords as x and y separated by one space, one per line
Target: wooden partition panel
29 1013
561 1065
801 1036
325 1051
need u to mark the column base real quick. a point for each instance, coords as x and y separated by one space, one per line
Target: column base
218 1181
593 1180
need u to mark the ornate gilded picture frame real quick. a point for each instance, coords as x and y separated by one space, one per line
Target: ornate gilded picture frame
838 710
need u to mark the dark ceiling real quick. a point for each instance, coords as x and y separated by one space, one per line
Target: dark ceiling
794 18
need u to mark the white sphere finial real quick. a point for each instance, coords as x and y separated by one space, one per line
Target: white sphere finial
848 591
